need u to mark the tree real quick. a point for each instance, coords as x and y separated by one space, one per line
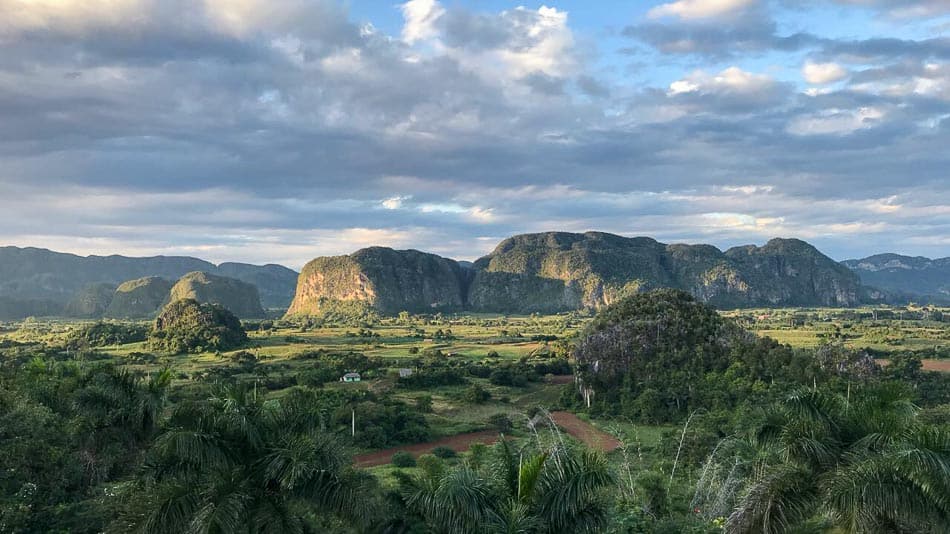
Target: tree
863 464
530 491
188 326
239 463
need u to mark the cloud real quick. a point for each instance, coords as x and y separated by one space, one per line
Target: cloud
823 73
836 121
903 9
700 9
420 17
211 128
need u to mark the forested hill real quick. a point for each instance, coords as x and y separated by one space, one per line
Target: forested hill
905 277
559 271
36 281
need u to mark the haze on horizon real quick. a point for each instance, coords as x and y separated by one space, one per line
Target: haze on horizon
273 131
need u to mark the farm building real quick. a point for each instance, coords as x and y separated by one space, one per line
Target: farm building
350 377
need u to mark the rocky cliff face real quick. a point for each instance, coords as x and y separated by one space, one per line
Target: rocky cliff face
792 272
240 298
552 272
903 278
139 298
388 280
558 271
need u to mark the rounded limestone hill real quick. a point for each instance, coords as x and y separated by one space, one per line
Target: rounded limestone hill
388 280
186 325
139 298
559 271
241 298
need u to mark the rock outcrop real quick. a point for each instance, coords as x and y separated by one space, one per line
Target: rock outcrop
239 297
556 271
559 271
388 280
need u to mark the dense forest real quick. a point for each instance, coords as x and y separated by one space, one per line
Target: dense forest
751 435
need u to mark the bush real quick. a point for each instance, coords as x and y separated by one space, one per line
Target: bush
102 334
476 394
424 404
500 422
444 452
403 459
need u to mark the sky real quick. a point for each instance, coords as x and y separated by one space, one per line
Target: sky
281 130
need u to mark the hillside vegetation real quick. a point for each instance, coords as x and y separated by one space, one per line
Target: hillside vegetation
189 326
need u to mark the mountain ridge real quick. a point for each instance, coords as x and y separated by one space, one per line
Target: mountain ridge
903 278
562 271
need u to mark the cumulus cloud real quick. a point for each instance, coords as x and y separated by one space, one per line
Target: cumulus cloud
700 9
276 131
836 121
420 17
823 73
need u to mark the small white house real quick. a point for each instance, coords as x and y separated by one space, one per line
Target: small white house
403 373
350 377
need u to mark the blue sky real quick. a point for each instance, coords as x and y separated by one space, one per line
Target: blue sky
279 130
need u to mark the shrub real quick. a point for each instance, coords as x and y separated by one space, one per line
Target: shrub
424 404
476 394
500 422
403 459
444 452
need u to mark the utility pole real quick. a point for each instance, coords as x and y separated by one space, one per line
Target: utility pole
353 422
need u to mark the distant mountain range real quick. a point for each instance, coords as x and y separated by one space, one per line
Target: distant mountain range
905 278
40 282
543 272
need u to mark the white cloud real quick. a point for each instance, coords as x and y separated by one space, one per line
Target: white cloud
394 203
73 16
837 121
699 9
549 44
420 17
823 73
731 80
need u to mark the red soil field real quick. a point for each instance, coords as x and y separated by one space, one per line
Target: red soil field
587 433
458 443
928 365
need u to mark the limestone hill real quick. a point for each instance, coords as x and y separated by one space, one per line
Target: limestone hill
559 271
388 280
239 297
139 298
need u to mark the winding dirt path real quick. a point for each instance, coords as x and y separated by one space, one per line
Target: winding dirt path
573 425
587 433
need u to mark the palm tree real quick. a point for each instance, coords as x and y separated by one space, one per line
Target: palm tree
516 491
824 461
237 463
